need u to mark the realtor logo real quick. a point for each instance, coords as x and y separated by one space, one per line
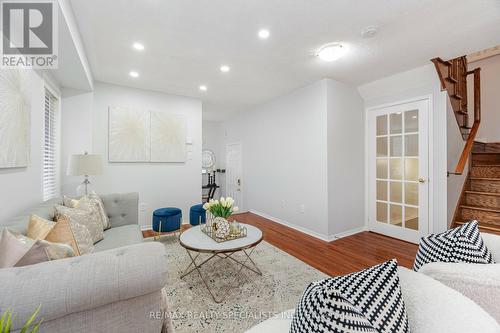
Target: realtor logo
29 34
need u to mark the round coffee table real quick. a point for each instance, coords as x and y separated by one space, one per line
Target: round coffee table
195 241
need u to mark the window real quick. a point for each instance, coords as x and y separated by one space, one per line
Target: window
50 147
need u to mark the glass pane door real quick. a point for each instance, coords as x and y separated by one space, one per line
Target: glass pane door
399 176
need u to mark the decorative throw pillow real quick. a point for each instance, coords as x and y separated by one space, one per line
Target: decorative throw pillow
38 227
18 250
69 202
84 218
11 249
87 204
73 234
460 245
366 301
42 251
102 212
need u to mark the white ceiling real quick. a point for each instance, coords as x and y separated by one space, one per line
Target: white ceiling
187 41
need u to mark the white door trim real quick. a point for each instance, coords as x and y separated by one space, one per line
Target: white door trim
430 131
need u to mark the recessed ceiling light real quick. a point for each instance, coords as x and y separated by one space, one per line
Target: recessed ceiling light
224 68
264 34
331 52
138 46
203 88
133 74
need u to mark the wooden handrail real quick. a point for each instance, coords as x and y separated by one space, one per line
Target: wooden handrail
467 150
477 121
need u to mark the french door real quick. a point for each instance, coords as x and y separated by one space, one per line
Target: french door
398 172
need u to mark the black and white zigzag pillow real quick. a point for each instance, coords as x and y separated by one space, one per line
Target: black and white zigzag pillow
462 244
470 246
366 301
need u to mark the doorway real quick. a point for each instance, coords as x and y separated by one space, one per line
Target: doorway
398 169
234 173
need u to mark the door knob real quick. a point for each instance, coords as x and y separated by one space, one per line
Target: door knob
421 180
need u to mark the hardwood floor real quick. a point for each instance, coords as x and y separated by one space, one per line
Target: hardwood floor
343 256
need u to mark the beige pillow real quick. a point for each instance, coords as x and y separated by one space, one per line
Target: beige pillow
104 217
57 251
11 249
18 250
85 218
89 203
42 251
69 202
72 234
38 227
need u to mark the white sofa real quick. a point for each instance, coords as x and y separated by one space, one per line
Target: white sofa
432 306
480 283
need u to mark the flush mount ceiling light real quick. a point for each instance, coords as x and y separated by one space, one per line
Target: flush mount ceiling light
138 46
133 74
264 34
203 88
331 52
224 68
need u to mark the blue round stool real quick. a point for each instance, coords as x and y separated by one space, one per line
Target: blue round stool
167 219
197 214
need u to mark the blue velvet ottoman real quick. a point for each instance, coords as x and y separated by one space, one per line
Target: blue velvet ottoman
167 219
196 214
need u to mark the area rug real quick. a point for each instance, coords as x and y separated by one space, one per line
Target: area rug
254 299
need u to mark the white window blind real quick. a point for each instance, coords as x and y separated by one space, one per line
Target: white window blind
50 148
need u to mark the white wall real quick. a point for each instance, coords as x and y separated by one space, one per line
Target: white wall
158 184
22 188
489 131
284 145
346 151
419 82
213 140
305 149
455 147
76 131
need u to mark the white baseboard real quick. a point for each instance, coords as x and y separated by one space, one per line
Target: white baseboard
288 224
326 238
348 233
149 227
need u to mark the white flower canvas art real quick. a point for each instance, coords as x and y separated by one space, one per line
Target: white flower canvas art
129 135
15 112
168 137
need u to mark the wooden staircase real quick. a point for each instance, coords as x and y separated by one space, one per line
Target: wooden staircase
453 76
480 199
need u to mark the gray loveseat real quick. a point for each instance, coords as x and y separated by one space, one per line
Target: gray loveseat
118 288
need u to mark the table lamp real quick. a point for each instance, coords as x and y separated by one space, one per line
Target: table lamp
85 165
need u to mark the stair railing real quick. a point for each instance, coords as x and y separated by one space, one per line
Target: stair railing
453 77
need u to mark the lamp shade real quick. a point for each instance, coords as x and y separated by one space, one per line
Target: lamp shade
85 165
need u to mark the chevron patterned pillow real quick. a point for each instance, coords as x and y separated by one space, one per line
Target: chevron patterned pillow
460 245
366 301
